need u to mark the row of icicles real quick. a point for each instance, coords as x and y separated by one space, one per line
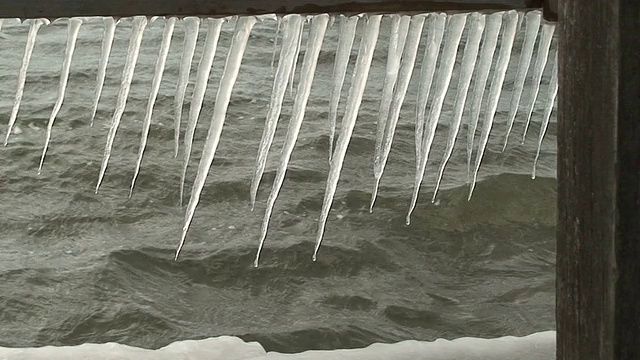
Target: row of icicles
406 32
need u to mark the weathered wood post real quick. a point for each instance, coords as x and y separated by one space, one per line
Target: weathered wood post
598 258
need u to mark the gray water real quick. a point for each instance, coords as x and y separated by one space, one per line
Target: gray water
77 267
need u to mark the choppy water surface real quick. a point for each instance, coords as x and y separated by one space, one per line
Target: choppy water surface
77 267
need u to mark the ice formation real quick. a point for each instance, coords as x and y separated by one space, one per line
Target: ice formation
406 70
72 36
228 80
155 87
139 25
440 74
191 27
202 79
345 43
288 54
107 43
22 74
314 43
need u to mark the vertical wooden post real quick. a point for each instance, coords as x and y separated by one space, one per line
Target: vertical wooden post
598 263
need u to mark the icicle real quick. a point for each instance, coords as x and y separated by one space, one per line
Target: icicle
361 73
314 43
452 40
538 68
293 71
406 69
496 88
22 75
397 40
107 42
288 56
202 78
72 36
346 35
476 28
551 97
139 24
275 44
435 33
531 33
489 42
192 25
155 87
229 76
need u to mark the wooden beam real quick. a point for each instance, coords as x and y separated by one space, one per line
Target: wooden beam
122 8
598 258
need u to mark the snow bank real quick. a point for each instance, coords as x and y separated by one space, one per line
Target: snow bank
538 346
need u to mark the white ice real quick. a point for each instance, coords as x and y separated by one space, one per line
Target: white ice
293 71
346 35
275 44
155 87
288 54
22 74
551 97
360 75
476 28
107 42
228 80
406 69
538 68
537 346
435 32
496 88
447 61
314 44
489 43
139 24
191 27
202 79
531 33
72 35
397 40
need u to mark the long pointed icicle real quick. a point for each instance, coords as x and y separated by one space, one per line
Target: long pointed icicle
345 43
107 42
229 76
293 71
538 68
139 24
551 97
361 73
192 25
531 33
397 40
489 43
288 55
435 32
275 44
202 79
406 69
155 87
476 28
314 44
22 75
496 88
448 60
72 36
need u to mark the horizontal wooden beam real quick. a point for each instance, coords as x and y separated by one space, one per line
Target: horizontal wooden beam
52 9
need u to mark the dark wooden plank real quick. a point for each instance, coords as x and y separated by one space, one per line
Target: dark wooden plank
122 8
598 263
